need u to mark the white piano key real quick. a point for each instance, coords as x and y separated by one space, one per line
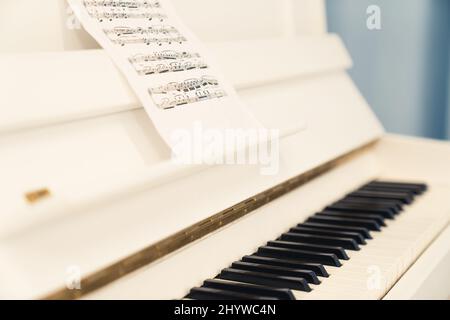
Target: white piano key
385 258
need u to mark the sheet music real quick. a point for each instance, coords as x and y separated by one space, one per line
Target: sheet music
171 72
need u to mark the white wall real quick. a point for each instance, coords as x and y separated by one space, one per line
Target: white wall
35 25
30 25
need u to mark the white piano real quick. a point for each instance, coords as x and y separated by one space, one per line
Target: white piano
92 207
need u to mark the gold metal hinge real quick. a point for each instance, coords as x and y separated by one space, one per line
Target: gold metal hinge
37 195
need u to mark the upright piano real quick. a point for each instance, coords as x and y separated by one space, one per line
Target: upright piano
93 208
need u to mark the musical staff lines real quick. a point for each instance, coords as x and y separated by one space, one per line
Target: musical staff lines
166 61
162 55
114 9
175 94
128 35
111 15
176 66
122 4
186 85
138 39
154 30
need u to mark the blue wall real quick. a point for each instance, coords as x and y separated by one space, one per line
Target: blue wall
402 69
448 99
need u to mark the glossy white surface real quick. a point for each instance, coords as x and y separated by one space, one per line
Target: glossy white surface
79 131
428 278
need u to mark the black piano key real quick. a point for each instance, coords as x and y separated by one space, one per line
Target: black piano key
404 197
413 185
358 215
314 248
386 213
364 232
308 275
356 208
396 204
367 207
318 269
372 226
298 256
327 259
265 279
346 243
323 232
416 187
219 294
257 290
409 193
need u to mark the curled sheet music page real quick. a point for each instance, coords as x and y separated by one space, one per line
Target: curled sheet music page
168 68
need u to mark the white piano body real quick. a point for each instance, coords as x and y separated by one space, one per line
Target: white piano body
72 130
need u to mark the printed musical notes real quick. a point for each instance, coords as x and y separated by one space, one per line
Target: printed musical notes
155 33
136 39
117 14
150 35
162 55
112 10
186 85
155 30
192 90
164 63
122 4
176 66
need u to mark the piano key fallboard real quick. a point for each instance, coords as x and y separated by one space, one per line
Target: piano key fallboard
295 265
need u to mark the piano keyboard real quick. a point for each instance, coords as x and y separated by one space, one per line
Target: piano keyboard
354 245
